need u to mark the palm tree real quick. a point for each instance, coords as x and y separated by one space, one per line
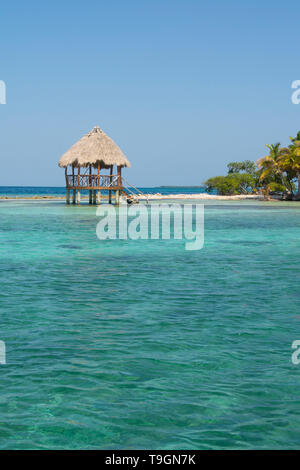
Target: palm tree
271 168
289 160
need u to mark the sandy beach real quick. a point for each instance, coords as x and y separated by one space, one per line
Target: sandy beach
200 196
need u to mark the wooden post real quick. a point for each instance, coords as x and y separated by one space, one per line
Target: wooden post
73 174
94 196
78 185
98 197
110 182
67 187
117 197
66 177
74 195
119 176
91 185
98 174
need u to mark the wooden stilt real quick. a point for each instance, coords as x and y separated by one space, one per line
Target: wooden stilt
78 191
67 196
117 197
119 169
66 178
110 182
90 196
74 196
98 197
94 196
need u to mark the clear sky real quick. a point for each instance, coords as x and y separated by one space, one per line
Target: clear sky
183 87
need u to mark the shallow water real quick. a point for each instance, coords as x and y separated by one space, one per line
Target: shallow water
141 344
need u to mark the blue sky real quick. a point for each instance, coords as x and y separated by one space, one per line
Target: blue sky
183 87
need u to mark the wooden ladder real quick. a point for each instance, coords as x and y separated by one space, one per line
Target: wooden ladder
130 198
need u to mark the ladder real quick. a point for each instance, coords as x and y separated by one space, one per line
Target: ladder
130 195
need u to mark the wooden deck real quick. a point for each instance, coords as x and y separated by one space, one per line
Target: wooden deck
94 184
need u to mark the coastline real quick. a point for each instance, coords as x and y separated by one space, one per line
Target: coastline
156 196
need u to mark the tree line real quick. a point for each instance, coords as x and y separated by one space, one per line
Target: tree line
278 173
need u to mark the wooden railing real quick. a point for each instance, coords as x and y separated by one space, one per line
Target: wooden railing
93 181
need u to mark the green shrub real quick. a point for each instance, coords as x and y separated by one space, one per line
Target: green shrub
233 183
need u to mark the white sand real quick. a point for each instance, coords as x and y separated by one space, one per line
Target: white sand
200 196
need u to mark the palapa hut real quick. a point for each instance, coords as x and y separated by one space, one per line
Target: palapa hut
85 164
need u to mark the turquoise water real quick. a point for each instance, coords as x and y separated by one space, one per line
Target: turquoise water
141 344
13 191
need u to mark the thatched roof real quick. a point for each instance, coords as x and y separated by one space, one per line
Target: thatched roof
92 149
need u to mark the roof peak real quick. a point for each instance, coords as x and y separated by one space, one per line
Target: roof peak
95 130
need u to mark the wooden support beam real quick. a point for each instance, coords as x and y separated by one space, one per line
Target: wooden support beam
67 196
98 196
74 196
119 176
110 182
